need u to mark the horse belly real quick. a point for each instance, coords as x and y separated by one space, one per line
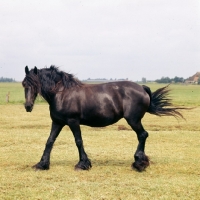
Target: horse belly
100 116
100 121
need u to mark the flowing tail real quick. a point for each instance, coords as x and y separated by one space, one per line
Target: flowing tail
160 103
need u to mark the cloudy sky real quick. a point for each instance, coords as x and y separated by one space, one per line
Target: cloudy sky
101 39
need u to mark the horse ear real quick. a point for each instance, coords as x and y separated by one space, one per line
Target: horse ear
26 70
35 70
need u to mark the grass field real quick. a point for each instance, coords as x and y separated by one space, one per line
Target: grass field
173 147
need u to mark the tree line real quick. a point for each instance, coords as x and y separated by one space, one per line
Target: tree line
2 79
170 80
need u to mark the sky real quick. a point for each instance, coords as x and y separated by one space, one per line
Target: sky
131 39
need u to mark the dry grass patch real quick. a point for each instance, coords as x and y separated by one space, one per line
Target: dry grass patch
173 147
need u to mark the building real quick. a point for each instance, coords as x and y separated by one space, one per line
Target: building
193 79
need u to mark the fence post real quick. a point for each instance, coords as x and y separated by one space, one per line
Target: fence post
7 97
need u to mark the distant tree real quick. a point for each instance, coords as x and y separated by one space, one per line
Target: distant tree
164 80
2 79
144 80
178 79
168 80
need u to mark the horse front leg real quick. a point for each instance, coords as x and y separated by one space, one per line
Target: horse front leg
84 162
45 160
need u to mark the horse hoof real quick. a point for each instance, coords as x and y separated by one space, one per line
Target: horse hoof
38 167
137 167
76 168
81 168
83 165
141 163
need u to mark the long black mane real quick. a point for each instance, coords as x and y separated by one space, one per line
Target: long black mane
50 80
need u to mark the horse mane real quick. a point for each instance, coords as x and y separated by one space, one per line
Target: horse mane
68 80
51 78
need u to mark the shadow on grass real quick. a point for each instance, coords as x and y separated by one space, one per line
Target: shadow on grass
95 162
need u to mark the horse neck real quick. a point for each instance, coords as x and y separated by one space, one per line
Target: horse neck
48 92
45 91
46 96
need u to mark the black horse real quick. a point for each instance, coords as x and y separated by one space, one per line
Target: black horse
73 103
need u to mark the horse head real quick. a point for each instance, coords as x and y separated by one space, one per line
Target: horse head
31 87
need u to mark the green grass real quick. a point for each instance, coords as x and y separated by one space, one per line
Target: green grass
181 94
173 147
16 94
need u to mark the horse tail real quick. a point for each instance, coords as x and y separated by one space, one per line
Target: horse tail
161 104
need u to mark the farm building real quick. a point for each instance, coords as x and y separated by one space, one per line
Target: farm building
194 78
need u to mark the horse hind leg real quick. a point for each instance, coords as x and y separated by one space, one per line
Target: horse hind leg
141 160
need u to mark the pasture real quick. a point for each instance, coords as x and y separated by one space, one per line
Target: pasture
173 147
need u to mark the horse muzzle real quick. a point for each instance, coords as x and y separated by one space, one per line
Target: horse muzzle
29 107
